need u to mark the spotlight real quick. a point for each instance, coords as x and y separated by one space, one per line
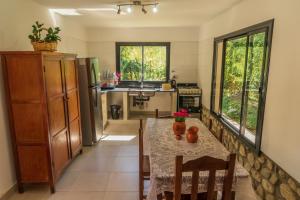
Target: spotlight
144 10
129 9
154 9
119 10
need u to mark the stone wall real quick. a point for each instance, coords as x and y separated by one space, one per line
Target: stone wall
268 179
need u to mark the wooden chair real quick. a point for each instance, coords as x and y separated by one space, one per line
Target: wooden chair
157 116
205 163
144 164
219 135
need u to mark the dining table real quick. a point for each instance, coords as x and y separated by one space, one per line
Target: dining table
161 145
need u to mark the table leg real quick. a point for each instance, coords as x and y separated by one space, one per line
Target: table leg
173 102
125 106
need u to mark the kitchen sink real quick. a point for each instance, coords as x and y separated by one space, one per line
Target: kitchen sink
143 89
142 92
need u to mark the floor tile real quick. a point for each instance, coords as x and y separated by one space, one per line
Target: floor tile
121 196
128 150
89 181
123 182
78 196
93 164
125 164
66 182
106 171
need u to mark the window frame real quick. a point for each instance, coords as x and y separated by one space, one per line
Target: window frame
143 44
266 27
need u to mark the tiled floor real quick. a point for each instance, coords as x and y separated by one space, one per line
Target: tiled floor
108 171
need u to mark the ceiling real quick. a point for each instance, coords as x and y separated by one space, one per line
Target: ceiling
172 13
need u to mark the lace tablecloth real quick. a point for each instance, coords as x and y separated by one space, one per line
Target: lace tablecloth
162 147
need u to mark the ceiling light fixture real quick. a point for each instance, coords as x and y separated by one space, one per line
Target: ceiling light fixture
129 9
155 9
144 10
140 4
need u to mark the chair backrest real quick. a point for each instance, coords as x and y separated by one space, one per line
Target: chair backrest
141 147
205 163
141 124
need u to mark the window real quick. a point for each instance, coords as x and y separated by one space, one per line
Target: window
143 61
239 80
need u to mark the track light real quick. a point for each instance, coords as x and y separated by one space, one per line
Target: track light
138 3
144 10
129 9
154 9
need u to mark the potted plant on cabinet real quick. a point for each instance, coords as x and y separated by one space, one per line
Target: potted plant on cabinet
49 42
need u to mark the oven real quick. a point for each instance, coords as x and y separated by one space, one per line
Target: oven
189 97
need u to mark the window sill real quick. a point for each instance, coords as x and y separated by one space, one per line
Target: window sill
248 138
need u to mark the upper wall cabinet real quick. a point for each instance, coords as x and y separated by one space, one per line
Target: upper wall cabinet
43 104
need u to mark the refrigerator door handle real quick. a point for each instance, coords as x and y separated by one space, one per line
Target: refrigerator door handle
94 74
96 102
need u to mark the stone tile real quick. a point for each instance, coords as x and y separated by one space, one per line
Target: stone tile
244 190
117 180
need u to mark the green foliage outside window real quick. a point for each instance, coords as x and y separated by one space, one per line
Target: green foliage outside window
152 64
235 58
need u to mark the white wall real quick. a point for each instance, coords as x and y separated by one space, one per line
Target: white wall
280 140
184 46
16 18
184 52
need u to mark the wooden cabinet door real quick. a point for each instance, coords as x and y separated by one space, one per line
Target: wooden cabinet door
57 112
73 105
60 152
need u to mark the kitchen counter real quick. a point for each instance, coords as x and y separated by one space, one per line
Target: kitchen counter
137 90
126 100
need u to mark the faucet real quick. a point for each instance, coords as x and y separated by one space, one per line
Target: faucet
142 82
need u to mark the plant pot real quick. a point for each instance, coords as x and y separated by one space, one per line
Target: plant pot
192 134
44 46
179 128
178 137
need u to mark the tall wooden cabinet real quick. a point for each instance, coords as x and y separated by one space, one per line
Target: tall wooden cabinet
43 107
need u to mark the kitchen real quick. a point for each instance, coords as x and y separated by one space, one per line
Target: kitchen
103 99
137 98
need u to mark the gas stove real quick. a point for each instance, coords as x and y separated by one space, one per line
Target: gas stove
189 97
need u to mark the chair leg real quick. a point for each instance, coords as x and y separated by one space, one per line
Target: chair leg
169 195
233 195
156 113
159 197
141 188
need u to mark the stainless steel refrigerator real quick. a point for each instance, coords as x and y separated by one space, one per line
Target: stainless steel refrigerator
90 100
